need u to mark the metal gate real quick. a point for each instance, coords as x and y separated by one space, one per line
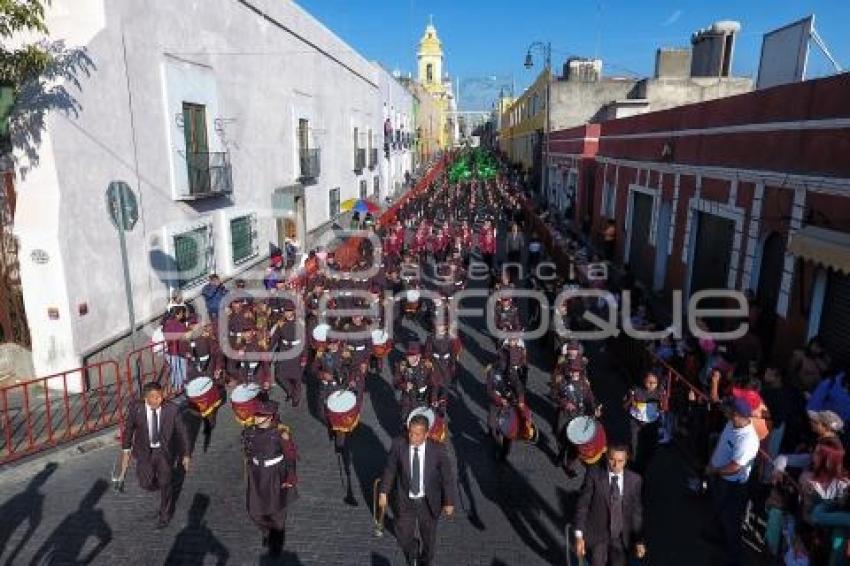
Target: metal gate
640 250
835 318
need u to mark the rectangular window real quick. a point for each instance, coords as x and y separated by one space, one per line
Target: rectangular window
242 238
303 135
376 186
333 202
363 189
192 251
197 147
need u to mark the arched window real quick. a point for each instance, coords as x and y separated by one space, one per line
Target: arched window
429 72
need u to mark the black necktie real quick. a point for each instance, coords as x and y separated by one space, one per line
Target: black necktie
616 507
414 473
155 427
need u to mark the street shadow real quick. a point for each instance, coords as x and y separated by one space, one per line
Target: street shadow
286 558
311 390
379 560
384 403
368 457
25 507
467 441
529 514
65 544
196 541
192 422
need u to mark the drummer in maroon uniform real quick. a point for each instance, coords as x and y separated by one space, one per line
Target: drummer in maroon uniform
574 398
416 380
442 349
330 369
205 358
358 341
270 455
504 388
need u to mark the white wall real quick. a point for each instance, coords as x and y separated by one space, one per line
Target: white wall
397 105
256 80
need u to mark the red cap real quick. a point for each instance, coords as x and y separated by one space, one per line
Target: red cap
413 349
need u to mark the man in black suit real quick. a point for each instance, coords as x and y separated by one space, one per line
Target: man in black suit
155 435
421 473
609 514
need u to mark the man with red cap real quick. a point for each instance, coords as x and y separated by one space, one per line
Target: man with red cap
416 380
270 457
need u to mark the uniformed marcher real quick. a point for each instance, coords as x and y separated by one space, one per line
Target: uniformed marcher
442 349
416 380
574 398
270 455
288 339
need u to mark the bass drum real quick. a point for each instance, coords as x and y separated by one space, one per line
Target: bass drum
514 426
342 411
588 436
244 401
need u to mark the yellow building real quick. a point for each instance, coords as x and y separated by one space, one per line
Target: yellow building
523 121
430 76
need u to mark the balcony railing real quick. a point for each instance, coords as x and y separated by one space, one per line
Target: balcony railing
310 161
373 157
359 159
209 174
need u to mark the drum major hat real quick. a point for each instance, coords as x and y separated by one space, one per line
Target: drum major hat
266 408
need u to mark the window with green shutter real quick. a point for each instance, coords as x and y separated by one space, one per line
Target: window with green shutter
190 256
241 238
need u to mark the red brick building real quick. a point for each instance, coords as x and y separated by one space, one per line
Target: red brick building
747 192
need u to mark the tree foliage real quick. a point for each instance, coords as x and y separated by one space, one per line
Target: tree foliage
21 63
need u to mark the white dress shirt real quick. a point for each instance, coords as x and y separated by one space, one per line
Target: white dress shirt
421 470
149 420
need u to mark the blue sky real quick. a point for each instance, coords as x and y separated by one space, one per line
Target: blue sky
486 41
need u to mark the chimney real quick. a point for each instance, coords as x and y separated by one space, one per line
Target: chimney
673 63
583 70
713 48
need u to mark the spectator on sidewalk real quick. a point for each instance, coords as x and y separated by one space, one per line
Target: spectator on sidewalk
729 472
832 395
213 293
176 332
808 365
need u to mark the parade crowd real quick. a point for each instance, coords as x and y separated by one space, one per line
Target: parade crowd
765 443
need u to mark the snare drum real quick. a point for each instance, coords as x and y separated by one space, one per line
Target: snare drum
244 401
588 436
203 395
320 335
514 426
381 344
342 412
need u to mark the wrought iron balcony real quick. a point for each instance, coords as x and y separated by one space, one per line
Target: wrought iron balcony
373 157
210 174
310 162
359 159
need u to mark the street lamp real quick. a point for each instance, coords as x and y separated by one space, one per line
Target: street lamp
546 48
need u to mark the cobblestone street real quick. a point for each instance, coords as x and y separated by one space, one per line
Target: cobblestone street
514 513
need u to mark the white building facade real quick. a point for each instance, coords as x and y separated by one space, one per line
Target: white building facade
238 125
397 148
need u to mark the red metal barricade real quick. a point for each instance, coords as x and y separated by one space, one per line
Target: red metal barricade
41 413
145 364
